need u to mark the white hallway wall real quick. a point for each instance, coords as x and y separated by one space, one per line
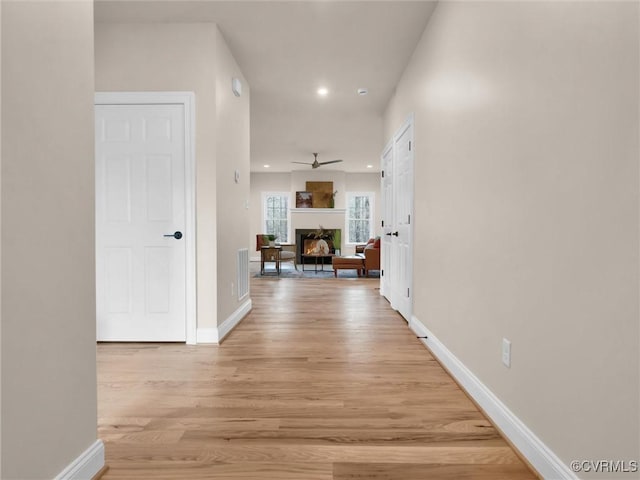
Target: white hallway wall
526 119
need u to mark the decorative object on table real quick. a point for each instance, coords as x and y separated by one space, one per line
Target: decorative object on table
321 247
322 193
316 163
337 239
304 200
272 240
332 201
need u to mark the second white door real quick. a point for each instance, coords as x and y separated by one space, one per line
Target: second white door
397 193
402 215
140 223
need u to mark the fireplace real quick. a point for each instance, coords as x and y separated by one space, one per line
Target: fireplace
317 246
306 244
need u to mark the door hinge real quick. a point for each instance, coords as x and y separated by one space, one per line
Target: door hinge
409 219
382 173
409 145
408 293
383 223
382 273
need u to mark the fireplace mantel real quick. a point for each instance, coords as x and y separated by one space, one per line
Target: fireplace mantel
340 211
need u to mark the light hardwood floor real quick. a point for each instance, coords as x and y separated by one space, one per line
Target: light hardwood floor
321 381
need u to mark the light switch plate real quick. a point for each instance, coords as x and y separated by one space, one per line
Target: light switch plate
506 353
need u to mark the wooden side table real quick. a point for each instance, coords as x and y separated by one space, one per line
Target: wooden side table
270 254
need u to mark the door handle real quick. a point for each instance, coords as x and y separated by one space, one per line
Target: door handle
388 234
395 234
176 235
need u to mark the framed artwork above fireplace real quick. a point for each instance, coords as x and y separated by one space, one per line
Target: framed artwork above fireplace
304 199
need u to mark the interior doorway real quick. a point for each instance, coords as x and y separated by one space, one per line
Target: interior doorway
145 235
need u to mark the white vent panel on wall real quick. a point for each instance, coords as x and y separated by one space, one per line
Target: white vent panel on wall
243 273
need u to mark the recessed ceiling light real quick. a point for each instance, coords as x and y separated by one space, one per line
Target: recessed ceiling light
362 91
266 166
369 166
322 91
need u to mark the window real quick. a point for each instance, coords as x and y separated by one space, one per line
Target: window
359 217
276 214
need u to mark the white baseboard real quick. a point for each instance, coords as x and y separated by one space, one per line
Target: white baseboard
234 319
87 465
528 444
207 335
216 335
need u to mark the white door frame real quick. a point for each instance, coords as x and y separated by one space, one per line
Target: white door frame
187 100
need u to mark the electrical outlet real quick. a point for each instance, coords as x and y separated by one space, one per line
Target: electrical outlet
506 352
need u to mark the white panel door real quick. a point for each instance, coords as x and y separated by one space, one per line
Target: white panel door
386 188
140 205
402 237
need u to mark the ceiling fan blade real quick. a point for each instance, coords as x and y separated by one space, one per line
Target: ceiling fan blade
330 161
303 163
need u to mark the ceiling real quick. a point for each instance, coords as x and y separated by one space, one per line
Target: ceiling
287 50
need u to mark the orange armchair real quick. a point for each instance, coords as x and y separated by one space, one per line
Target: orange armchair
371 254
371 259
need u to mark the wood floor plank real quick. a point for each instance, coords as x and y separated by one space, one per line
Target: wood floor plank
253 471
322 380
386 471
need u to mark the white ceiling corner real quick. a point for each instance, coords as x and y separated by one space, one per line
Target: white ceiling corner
286 50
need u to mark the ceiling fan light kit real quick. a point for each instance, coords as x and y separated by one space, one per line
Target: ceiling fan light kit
316 163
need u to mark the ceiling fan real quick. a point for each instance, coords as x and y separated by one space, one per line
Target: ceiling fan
316 163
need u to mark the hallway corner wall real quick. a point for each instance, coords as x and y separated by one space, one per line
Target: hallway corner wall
48 266
232 153
527 215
